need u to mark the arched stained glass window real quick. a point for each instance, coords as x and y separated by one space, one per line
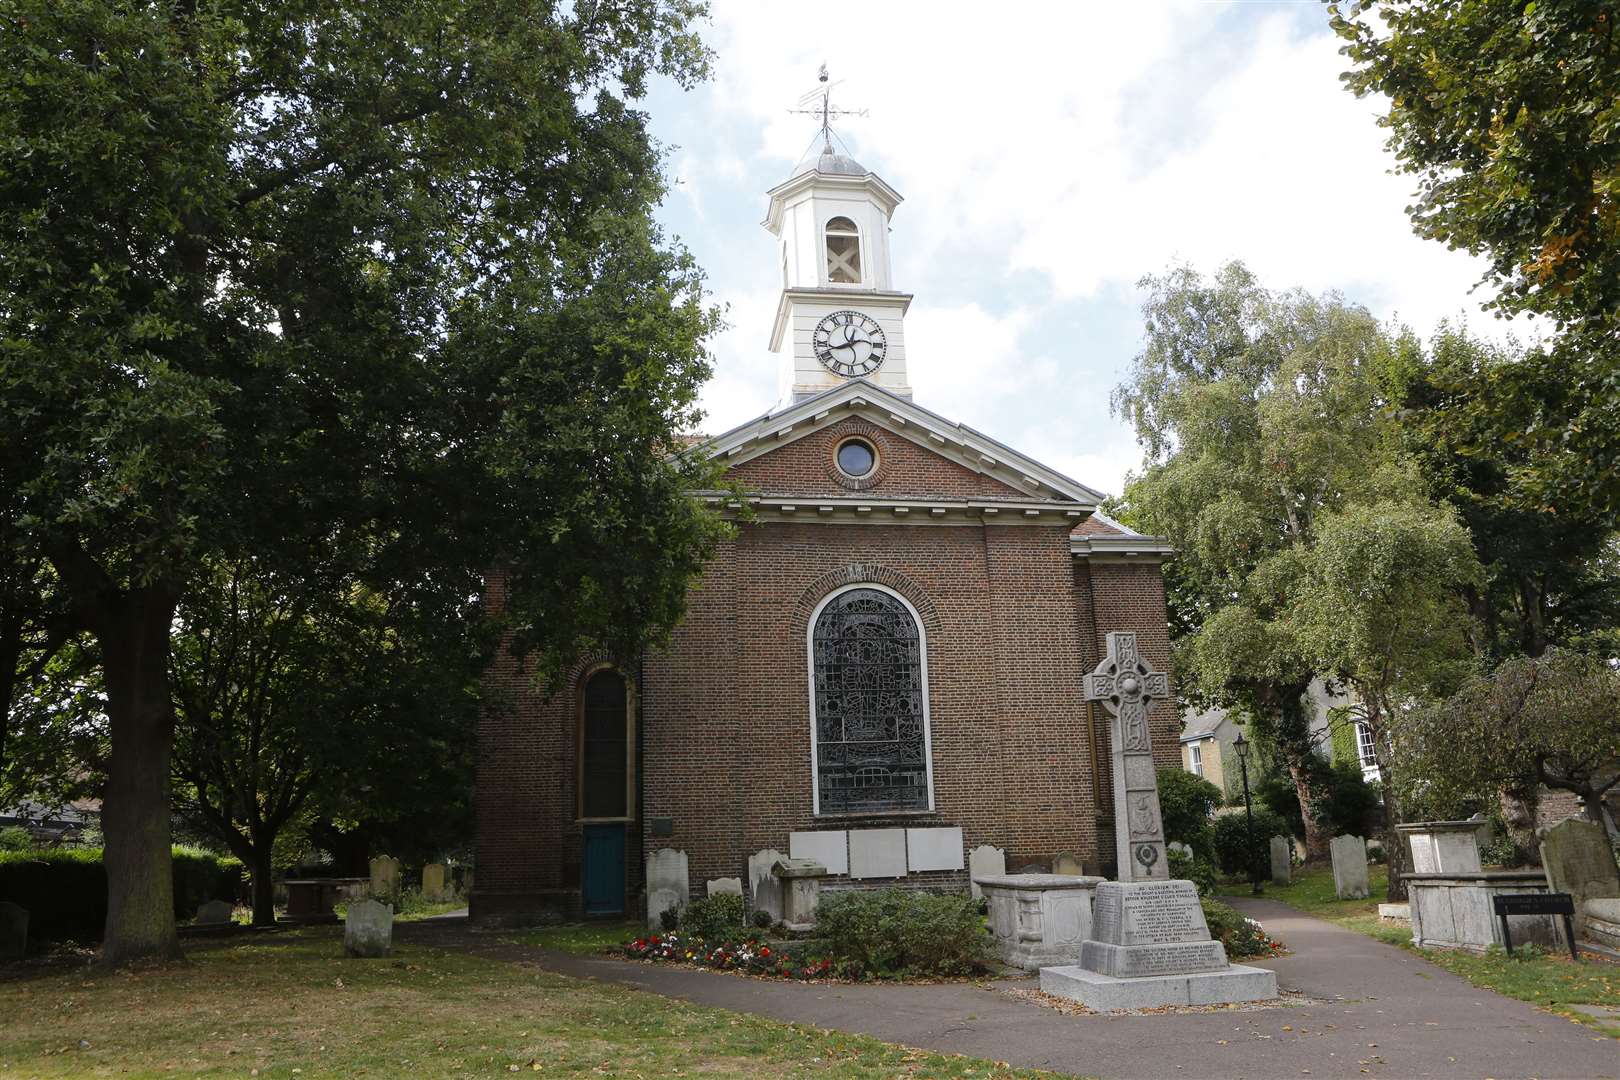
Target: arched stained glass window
871 730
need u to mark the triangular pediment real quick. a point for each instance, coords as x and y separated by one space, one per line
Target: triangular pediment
1016 476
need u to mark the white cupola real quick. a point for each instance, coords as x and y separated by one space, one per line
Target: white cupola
840 316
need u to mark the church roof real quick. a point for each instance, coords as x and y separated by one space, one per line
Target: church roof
829 164
904 416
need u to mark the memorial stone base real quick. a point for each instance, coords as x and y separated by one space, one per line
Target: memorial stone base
1150 947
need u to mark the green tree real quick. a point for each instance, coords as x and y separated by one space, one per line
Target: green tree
1508 114
1187 807
338 287
297 702
1552 719
1375 601
1551 573
1258 411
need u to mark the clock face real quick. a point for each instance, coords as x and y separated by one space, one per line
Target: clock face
849 343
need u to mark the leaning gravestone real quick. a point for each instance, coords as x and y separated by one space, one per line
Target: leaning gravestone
368 929
1282 862
1349 867
13 930
1149 944
668 886
385 878
1579 861
764 887
985 861
214 913
433 881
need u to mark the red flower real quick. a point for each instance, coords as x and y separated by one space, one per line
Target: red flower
766 951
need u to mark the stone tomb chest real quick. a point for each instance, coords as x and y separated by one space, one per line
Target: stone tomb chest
1038 919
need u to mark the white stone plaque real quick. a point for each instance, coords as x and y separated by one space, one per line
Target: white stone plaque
829 847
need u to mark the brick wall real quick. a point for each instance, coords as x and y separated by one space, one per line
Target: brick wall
1012 622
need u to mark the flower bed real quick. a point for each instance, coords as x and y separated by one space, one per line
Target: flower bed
751 955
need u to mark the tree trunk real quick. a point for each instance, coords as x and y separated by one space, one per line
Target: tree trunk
1518 804
134 637
1294 741
264 888
1394 843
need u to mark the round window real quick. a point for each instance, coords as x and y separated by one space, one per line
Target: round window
856 457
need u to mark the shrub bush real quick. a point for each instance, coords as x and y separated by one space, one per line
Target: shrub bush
1199 871
903 932
1232 850
16 838
1187 803
761 919
1242 937
65 890
714 918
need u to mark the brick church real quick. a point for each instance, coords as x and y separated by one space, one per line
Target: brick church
882 670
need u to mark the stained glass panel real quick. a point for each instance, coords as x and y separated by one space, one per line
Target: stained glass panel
871 753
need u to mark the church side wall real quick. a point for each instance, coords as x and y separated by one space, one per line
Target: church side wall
1011 767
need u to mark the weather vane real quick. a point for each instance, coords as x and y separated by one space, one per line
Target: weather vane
809 105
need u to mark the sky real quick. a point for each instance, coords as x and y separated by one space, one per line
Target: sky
1050 155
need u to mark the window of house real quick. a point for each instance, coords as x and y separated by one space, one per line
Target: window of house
843 252
1195 754
604 751
1364 746
869 704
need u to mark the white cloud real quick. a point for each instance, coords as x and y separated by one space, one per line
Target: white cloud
1050 155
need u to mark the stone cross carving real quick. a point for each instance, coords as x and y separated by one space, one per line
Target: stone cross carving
1126 687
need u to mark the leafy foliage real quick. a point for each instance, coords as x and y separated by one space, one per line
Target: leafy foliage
1196 869
903 932
714 918
1243 853
358 292
1243 937
1552 720
1259 413
1187 805
65 889
1508 114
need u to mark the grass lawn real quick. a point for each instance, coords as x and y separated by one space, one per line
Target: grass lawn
594 937
291 1005
1550 980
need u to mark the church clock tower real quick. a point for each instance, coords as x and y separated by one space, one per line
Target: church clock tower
839 317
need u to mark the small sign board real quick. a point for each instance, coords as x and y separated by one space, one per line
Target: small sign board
1557 903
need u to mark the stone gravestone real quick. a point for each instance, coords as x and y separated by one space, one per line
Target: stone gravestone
1064 863
1349 867
214 913
729 885
433 881
13 930
1149 944
985 861
1282 860
368 929
764 887
668 886
385 878
1127 689
1579 861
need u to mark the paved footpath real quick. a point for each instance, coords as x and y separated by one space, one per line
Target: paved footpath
1389 1014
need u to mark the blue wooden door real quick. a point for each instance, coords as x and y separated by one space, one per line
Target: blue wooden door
602 875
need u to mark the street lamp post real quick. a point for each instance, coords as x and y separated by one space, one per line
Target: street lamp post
1241 745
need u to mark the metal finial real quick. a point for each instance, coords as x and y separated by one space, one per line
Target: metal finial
818 103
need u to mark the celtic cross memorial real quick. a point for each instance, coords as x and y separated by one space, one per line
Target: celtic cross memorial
1126 687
